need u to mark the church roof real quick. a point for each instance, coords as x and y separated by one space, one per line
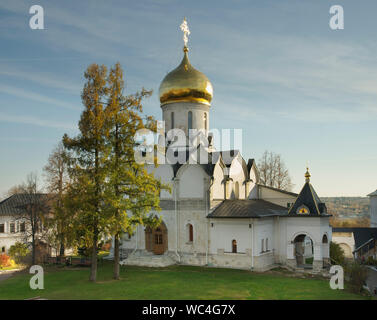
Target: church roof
247 209
308 201
372 194
14 204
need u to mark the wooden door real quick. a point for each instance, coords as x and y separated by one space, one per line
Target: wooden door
158 241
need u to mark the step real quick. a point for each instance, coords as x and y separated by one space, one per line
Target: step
148 261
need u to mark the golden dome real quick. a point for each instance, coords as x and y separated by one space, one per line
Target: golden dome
185 83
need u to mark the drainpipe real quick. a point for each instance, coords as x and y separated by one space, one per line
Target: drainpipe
252 246
207 211
176 218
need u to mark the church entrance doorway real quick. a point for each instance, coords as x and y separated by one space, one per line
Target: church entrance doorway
156 240
304 251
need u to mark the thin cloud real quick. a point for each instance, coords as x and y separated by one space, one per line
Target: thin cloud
42 78
30 120
21 93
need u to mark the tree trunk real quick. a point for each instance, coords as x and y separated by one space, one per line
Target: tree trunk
116 257
93 267
33 249
62 247
62 250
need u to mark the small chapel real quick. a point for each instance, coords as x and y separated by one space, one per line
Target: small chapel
217 213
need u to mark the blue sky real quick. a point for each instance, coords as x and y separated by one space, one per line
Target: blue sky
293 85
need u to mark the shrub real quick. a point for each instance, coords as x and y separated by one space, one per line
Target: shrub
357 274
337 253
18 251
4 260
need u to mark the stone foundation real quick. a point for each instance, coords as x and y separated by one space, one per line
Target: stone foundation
291 263
317 265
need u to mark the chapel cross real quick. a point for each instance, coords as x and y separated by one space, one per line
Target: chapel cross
186 32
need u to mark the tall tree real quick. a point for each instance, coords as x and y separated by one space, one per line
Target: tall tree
273 172
57 180
132 191
90 150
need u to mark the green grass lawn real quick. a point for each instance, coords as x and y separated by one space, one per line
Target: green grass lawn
175 282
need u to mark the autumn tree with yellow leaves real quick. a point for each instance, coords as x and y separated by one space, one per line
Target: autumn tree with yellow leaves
110 193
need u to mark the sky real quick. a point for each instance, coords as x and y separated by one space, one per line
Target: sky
280 73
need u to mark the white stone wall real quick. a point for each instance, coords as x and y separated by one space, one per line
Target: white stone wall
181 110
264 230
238 176
224 231
217 189
346 241
191 185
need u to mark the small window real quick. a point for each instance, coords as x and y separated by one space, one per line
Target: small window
3 249
12 227
2 228
234 246
158 238
262 246
205 121
303 210
189 120
22 227
191 232
267 244
172 120
237 190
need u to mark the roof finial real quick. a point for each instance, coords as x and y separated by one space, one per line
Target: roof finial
307 174
186 32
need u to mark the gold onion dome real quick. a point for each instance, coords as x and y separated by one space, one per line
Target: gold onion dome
185 83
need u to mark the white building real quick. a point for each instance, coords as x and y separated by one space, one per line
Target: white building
15 223
12 228
218 214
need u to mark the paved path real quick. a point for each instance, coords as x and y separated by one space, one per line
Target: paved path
372 279
7 274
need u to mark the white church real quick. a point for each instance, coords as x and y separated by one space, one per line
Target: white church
217 213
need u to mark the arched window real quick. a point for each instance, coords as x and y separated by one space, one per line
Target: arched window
262 245
205 121
189 120
172 120
303 210
267 244
237 190
324 239
234 246
190 233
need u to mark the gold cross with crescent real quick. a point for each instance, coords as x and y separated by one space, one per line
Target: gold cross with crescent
186 31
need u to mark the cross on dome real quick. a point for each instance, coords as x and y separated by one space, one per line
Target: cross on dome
186 31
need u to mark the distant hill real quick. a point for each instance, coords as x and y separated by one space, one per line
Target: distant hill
347 207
